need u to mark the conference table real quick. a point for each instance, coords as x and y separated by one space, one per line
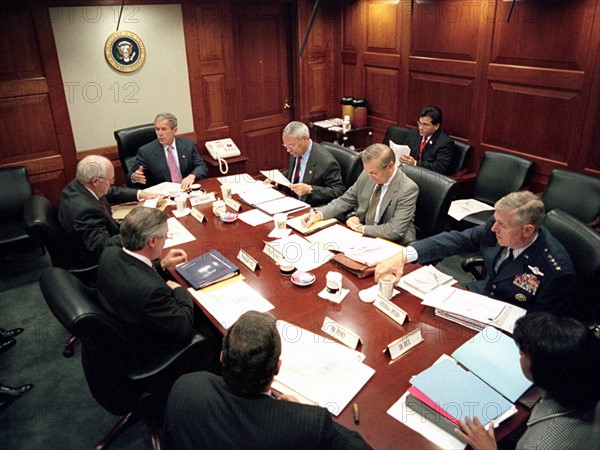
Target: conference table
301 306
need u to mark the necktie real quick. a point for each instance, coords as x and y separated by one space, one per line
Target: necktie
421 147
370 218
506 256
173 170
297 171
105 207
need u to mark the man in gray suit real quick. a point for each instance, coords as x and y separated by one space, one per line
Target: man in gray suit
381 203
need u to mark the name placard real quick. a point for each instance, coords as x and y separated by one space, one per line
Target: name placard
391 310
272 252
341 333
233 204
202 199
197 215
248 260
404 344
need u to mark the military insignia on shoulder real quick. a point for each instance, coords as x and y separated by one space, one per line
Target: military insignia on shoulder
124 51
553 262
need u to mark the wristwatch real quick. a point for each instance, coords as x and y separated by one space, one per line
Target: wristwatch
309 189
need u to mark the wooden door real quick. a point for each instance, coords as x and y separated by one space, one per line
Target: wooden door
262 43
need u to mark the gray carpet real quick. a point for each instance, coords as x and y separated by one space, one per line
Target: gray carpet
60 412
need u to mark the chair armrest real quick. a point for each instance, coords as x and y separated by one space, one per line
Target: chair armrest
475 266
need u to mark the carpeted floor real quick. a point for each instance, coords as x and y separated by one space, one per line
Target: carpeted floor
60 412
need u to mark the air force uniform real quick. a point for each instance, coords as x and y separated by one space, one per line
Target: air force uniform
541 278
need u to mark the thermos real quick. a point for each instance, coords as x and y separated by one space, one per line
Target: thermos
347 107
359 113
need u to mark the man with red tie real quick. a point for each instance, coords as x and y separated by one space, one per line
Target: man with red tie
430 146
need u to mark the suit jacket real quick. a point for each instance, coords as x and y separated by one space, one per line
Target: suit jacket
152 157
397 206
322 173
542 278
202 412
87 224
158 319
437 154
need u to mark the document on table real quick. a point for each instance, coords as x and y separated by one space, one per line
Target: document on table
282 205
177 234
319 370
254 217
259 195
164 188
337 237
297 250
276 176
425 280
226 302
459 209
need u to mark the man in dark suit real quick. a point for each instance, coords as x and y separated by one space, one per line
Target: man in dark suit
168 158
239 411
315 174
133 286
430 146
525 265
84 212
388 214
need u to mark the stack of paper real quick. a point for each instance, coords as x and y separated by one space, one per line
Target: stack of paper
459 209
298 251
177 234
425 279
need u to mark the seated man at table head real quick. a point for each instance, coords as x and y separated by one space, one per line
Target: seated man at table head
167 158
315 174
84 212
562 357
238 410
430 146
381 203
525 265
158 314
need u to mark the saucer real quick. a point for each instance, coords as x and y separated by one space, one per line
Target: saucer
300 278
228 217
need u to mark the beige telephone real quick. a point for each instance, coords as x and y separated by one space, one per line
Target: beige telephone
222 149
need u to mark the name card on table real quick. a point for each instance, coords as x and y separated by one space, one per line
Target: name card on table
202 199
197 215
391 310
248 260
405 343
341 333
233 204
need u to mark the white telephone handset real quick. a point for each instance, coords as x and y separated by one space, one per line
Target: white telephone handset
222 149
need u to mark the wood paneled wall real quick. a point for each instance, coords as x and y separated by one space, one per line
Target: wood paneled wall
528 86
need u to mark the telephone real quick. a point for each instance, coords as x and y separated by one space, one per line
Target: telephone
222 149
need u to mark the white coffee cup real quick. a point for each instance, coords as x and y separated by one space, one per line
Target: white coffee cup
181 203
226 190
286 267
280 220
334 282
386 286
219 207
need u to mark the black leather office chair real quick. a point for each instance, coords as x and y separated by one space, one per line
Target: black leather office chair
129 140
499 174
436 192
461 157
396 134
575 193
349 160
111 369
14 192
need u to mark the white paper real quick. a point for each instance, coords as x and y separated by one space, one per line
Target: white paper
301 253
459 209
227 303
399 150
183 213
277 233
164 188
255 196
283 205
335 298
371 251
425 279
336 237
177 234
276 176
254 217
152 202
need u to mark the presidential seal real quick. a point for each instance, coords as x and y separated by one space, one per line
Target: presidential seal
124 51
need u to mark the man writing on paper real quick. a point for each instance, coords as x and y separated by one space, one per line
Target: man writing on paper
158 314
84 212
238 410
525 265
315 174
381 203
430 146
168 158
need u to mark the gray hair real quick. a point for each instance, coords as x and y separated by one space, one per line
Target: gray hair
296 129
92 166
140 224
527 206
168 117
381 152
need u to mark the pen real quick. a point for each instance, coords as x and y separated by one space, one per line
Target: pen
356 413
311 212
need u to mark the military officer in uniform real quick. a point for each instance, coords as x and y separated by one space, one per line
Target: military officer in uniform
524 264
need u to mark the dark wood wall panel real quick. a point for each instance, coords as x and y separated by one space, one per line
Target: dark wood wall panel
264 148
382 92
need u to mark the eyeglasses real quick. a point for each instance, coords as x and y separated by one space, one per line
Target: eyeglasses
112 180
289 145
424 125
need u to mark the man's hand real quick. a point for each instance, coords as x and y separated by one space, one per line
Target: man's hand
147 195
476 435
288 398
301 189
312 217
187 182
174 257
354 223
138 176
407 159
394 264
173 284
